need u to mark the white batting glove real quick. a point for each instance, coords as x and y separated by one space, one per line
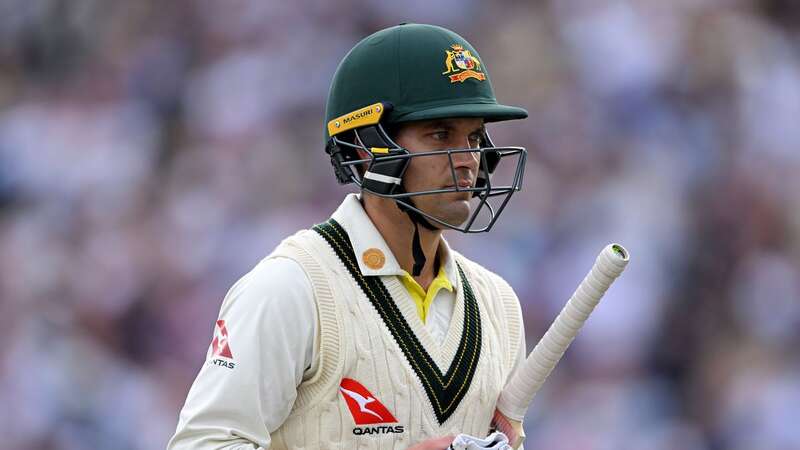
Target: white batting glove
495 441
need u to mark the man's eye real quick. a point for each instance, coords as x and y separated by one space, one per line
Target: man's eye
440 135
476 139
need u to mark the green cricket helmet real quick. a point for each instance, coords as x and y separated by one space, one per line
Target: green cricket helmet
405 73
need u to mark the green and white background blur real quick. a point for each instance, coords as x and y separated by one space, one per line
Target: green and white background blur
151 152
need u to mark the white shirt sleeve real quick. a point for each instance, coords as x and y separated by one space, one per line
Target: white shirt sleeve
270 319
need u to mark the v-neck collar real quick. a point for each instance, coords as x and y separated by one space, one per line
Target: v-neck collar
444 389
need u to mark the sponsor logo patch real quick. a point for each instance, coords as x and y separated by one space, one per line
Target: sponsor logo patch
220 346
367 410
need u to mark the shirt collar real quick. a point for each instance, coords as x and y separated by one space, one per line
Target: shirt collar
366 239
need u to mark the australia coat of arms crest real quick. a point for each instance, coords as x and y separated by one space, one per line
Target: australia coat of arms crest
462 65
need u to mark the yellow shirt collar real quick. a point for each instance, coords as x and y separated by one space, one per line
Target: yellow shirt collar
422 299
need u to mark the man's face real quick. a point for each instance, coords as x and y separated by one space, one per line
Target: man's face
433 172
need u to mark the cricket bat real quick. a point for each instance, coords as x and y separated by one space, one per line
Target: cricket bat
518 393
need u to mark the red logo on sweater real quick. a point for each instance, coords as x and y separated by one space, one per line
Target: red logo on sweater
364 407
219 346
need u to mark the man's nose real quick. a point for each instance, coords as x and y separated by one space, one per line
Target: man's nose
466 156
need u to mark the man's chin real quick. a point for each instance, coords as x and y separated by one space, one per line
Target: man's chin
451 208
456 215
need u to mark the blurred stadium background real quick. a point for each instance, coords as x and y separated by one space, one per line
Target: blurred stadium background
152 152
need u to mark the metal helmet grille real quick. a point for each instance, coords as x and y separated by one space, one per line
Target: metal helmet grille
385 168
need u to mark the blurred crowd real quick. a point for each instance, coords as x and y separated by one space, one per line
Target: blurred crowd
152 152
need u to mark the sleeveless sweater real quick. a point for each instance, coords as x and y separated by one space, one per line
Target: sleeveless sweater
382 381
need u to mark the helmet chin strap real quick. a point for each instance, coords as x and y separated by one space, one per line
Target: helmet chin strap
416 246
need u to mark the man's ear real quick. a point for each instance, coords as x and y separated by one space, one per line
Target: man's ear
362 168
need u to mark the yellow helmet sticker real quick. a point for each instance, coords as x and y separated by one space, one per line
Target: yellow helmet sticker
368 115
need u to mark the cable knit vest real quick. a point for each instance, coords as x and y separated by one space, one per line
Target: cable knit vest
402 402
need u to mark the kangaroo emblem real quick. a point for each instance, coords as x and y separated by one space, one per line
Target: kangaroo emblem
462 58
362 401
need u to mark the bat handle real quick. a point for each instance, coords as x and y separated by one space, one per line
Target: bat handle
528 379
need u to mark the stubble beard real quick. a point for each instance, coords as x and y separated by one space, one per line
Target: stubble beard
451 208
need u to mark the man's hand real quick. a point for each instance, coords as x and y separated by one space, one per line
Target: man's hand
440 443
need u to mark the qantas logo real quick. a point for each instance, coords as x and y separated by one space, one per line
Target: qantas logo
366 409
220 347
362 402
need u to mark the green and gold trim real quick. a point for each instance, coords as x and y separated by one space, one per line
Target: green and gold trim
444 391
